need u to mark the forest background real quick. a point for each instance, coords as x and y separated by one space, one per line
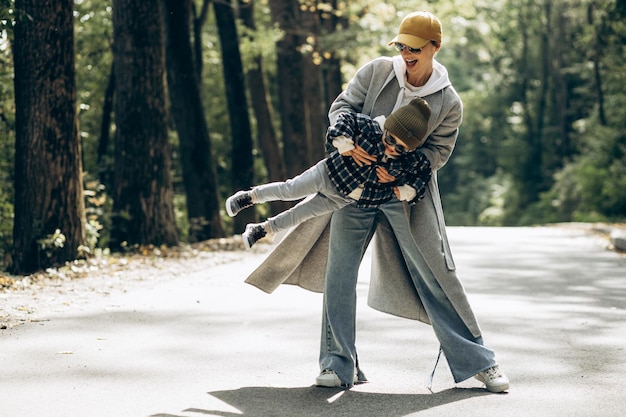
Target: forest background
128 122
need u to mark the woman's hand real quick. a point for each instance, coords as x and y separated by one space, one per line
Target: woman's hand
360 156
384 176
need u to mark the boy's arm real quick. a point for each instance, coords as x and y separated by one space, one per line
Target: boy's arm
418 174
340 135
404 192
344 133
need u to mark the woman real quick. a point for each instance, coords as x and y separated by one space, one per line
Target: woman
413 273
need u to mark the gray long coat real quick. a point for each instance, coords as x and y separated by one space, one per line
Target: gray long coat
300 258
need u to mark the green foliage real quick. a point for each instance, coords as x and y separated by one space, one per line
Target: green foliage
260 42
97 215
49 245
6 15
182 220
500 192
533 113
94 36
536 145
6 226
593 186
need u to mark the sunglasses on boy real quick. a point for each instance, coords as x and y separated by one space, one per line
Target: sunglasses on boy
391 141
400 47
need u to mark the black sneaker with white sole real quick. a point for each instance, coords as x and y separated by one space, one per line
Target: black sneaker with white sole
237 202
254 232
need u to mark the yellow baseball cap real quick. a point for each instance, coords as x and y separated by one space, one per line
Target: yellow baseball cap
417 29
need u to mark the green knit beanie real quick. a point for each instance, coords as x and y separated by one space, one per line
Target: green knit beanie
410 123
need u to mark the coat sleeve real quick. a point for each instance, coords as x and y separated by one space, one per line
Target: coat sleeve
353 97
441 141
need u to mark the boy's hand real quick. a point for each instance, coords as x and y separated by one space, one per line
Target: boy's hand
384 176
360 156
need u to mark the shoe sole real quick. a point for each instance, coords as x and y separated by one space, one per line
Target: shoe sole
246 243
327 384
335 383
228 209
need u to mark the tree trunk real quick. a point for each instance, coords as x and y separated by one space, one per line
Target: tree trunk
143 198
597 51
107 111
48 183
535 161
242 165
198 166
290 92
530 159
198 23
331 72
331 66
559 76
315 118
105 165
261 105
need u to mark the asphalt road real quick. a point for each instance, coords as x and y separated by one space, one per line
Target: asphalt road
551 302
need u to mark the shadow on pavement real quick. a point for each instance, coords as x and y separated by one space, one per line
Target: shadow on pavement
313 401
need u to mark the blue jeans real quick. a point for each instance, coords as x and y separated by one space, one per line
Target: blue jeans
314 181
350 233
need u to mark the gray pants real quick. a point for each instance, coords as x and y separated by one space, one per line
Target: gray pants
314 182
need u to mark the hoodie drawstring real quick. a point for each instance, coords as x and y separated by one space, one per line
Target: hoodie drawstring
432 375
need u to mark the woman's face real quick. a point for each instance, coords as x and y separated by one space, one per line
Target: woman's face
418 63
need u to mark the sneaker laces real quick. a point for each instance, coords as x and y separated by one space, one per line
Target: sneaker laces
492 373
257 233
243 201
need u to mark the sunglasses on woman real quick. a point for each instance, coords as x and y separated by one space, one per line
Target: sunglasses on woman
401 47
391 141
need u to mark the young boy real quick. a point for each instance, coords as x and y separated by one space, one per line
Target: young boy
340 180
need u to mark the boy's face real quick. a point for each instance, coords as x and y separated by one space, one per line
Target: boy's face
393 145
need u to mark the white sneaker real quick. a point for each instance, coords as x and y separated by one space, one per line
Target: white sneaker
494 379
328 378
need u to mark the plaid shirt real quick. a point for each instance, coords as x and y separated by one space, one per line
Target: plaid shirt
411 168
